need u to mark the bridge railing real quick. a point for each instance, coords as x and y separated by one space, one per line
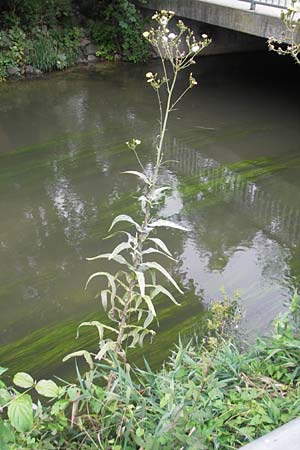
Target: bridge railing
283 4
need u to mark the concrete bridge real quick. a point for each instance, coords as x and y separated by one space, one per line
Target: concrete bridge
232 25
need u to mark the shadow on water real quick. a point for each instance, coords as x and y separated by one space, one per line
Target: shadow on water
236 181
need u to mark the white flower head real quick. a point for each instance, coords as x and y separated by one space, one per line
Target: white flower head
164 39
149 75
146 34
204 36
164 21
137 141
195 48
172 36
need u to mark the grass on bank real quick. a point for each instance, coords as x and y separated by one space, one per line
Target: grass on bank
210 394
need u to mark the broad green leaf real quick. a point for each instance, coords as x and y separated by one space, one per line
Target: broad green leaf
23 380
167 224
124 218
83 353
140 432
161 269
73 392
20 413
7 435
161 245
4 397
140 175
47 388
141 281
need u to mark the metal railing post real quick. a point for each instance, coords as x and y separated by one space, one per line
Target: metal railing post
252 5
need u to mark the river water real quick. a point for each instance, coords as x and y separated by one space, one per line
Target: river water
235 173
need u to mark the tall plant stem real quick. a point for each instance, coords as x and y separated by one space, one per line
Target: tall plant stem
163 130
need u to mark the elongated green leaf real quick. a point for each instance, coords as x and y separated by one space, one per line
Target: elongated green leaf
111 281
140 175
161 269
167 224
108 346
161 245
87 356
3 370
141 281
150 305
162 290
117 258
23 380
119 248
20 413
124 218
47 388
143 201
150 250
156 194
104 299
100 327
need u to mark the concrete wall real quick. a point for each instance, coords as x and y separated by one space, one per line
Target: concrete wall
234 15
223 39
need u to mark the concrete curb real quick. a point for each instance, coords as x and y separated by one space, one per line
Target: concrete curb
286 437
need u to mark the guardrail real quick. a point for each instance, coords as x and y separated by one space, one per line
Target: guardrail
283 4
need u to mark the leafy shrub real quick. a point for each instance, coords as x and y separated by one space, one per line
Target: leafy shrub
30 13
12 46
53 49
118 30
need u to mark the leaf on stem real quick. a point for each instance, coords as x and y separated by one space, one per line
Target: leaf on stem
167 224
140 175
161 245
162 290
124 218
87 356
111 281
161 269
20 413
23 380
141 281
119 248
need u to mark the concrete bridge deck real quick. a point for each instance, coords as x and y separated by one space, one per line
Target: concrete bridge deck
235 15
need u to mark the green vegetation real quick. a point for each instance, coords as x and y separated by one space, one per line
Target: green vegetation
46 35
118 30
209 395
290 44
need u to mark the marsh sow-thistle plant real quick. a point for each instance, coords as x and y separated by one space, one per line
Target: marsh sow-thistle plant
129 298
291 21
